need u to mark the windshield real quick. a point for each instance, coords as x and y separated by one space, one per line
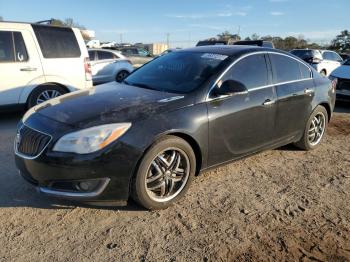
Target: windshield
177 72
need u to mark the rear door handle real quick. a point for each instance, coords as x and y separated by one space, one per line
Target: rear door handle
28 69
308 91
268 102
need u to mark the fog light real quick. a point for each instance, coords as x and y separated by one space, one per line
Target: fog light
87 186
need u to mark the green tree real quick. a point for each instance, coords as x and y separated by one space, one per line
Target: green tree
342 42
227 36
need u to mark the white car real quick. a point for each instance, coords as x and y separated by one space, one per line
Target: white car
40 62
94 43
324 61
108 65
342 77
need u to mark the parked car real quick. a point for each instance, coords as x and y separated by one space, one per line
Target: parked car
345 56
261 43
40 62
184 112
94 43
108 65
324 61
138 56
341 76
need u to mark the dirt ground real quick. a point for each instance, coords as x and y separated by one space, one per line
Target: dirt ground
282 204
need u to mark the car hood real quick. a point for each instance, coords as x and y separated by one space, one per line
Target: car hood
342 72
109 103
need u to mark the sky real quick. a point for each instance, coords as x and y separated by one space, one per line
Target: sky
187 21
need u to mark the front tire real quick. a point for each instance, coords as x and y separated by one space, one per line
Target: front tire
164 174
315 129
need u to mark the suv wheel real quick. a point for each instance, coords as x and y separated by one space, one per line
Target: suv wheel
314 130
44 93
164 174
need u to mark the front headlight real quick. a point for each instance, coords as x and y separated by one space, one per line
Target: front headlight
91 139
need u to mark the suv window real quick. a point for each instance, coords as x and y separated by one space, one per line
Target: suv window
250 71
12 47
20 47
57 42
328 56
6 47
285 69
336 57
104 55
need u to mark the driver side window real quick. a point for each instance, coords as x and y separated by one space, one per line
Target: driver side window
251 72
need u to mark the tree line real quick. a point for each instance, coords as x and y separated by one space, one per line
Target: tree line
340 44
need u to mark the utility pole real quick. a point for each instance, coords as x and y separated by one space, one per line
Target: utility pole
239 30
121 37
167 39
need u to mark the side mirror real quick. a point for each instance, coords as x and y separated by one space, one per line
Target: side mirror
230 87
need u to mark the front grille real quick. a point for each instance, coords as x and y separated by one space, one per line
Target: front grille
30 142
344 84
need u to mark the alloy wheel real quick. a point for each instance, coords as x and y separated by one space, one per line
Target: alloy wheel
167 174
316 129
121 76
47 95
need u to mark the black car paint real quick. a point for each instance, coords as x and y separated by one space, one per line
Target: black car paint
219 130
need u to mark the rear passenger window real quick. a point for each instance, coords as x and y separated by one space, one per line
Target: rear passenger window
12 47
20 47
285 69
250 71
104 55
6 47
305 71
92 55
57 42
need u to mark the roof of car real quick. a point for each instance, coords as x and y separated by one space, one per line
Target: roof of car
230 50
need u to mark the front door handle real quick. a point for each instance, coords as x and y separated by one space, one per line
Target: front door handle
28 69
268 102
308 91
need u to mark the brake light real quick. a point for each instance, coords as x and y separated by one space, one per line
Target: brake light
87 68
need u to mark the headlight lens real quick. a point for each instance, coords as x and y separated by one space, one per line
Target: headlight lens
91 139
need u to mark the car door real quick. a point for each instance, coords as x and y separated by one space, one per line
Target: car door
244 122
19 64
331 61
103 67
295 90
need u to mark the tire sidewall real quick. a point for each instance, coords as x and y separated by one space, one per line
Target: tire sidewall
306 142
139 192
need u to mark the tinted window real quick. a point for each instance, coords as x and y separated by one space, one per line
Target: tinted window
336 57
328 56
6 47
178 72
250 71
285 69
92 55
306 54
20 47
104 55
57 42
305 71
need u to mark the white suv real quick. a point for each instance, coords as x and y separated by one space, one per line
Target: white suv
40 62
324 61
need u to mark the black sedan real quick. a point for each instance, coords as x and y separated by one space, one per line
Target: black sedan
182 113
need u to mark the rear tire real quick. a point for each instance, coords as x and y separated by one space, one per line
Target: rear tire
165 173
121 76
315 129
44 93
323 73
